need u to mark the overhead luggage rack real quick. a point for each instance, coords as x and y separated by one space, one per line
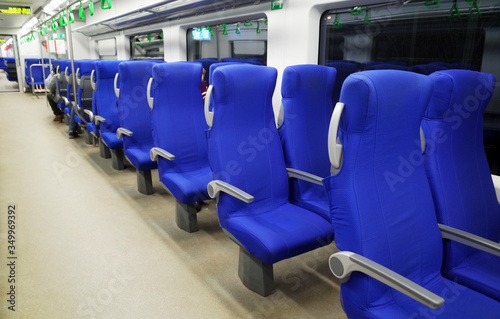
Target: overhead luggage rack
162 11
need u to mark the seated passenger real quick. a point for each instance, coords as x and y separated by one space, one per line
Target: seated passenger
50 84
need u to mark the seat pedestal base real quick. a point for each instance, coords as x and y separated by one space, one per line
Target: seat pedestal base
185 217
254 274
66 119
144 182
104 150
117 159
89 139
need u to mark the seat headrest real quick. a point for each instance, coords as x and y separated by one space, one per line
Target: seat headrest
389 96
85 66
106 69
299 76
453 88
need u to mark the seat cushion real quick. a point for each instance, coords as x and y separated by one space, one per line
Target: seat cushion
479 272
460 302
188 187
112 141
282 233
139 157
91 128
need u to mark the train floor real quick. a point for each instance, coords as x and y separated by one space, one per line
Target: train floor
89 245
6 85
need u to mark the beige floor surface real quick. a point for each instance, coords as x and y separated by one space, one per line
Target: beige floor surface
88 245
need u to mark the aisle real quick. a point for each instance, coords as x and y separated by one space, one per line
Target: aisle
90 246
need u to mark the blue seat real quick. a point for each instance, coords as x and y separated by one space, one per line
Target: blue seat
344 69
247 161
62 83
387 66
135 120
179 128
28 62
10 63
382 210
307 104
83 69
207 62
427 68
2 65
105 111
459 176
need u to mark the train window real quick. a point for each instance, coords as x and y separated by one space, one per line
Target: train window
147 46
461 35
241 40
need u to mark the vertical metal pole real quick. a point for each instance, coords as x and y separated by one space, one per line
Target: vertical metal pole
73 75
17 56
43 73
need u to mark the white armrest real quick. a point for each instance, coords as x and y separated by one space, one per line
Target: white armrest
78 76
65 99
156 151
343 263
496 183
148 92
311 178
90 114
93 84
117 90
215 187
123 131
335 148
469 239
98 119
209 116
281 116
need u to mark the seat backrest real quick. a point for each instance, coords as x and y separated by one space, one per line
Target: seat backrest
381 206
387 66
133 108
455 161
207 62
63 82
105 98
307 103
177 117
427 68
244 147
84 68
344 69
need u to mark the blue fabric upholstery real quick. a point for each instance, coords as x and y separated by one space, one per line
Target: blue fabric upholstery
307 103
382 206
459 175
344 69
134 112
244 150
427 68
36 72
62 64
206 65
105 102
10 63
387 66
179 126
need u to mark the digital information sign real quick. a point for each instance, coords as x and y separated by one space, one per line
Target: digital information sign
6 9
